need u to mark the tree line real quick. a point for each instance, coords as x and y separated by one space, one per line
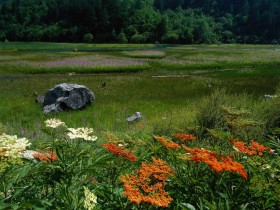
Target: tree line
141 21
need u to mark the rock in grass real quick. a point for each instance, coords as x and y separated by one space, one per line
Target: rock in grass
64 97
134 117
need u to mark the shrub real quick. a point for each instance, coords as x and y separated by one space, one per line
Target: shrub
88 38
209 114
233 114
121 38
171 38
269 112
138 38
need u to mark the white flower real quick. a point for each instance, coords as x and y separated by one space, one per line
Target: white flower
90 199
13 147
28 154
54 123
82 133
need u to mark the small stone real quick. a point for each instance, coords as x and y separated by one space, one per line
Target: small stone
266 96
134 117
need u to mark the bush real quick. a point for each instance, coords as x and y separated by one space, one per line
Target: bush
269 112
171 38
121 38
233 114
138 38
88 38
209 113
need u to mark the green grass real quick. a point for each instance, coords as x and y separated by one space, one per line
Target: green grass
123 95
15 46
211 91
237 68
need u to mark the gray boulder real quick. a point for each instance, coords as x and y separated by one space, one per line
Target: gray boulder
67 97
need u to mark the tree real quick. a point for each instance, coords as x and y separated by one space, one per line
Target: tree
145 20
88 37
180 21
121 38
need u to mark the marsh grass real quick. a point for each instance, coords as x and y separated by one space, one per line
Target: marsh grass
152 54
15 46
167 103
218 60
161 101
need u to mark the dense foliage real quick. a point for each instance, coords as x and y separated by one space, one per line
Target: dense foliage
200 169
140 21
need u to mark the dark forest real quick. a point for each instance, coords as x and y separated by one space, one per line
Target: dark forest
141 21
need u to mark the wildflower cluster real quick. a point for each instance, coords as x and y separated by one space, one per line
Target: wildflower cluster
11 146
54 123
254 149
184 136
73 133
81 133
120 151
167 143
11 149
46 156
90 199
211 159
146 185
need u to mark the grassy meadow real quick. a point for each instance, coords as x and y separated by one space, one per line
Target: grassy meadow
194 99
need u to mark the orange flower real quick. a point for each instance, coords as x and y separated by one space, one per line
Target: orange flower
120 152
46 156
258 147
234 167
168 144
254 149
200 155
184 136
146 185
211 159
